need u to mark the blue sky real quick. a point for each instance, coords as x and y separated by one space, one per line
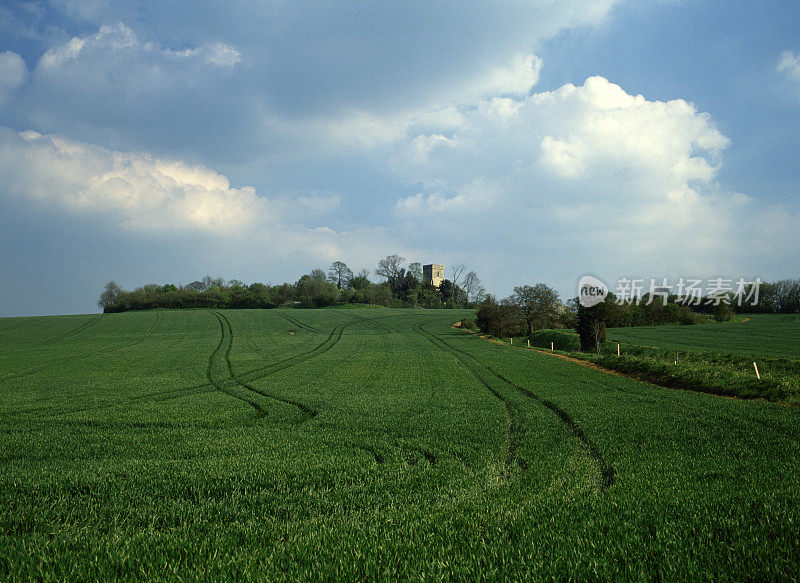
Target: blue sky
538 141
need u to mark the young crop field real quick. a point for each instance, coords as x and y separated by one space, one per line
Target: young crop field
761 335
373 443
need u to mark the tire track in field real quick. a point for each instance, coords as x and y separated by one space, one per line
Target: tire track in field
307 411
244 380
297 322
69 333
513 428
21 324
224 347
38 368
260 372
607 472
74 331
377 324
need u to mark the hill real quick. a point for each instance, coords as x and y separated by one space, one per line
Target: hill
285 444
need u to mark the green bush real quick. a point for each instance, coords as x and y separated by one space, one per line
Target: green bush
723 312
561 339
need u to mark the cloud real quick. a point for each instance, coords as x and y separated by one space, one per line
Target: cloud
789 65
583 177
13 74
516 79
120 39
131 190
239 82
146 196
115 89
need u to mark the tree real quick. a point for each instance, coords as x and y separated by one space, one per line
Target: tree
723 312
415 269
389 267
457 270
360 281
459 297
472 286
110 295
591 327
314 289
340 274
539 305
447 291
499 319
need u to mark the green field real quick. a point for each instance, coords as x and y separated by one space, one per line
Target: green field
762 335
372 443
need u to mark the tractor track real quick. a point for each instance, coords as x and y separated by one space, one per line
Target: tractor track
513 428
245 383
220 385
72 332
245 379
607 472
41 367
75 331
297 322
21 324
332 339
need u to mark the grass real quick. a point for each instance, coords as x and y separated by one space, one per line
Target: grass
761 335
366 444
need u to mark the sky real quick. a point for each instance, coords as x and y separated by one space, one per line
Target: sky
534 141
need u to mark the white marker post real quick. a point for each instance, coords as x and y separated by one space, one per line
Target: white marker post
529 342
512 341
617 348
755 366
551 347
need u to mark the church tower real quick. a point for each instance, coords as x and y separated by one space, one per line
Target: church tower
433 273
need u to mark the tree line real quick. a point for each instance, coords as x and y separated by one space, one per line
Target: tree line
538 307
400 287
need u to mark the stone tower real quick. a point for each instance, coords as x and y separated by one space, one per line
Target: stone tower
433 274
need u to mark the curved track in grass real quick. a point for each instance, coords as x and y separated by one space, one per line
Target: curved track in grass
607 472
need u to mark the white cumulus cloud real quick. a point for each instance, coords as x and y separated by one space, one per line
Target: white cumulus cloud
149 196
590 174
132 190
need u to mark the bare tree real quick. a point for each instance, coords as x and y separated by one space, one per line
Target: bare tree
472 286
457 270
459 295
339 274
415 269
389 267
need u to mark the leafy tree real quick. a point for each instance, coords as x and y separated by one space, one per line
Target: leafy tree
340 274
723 312
314 289
591 328
502 318
446 291
110 296
539 305
360 281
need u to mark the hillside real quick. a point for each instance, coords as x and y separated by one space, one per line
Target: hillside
368 443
